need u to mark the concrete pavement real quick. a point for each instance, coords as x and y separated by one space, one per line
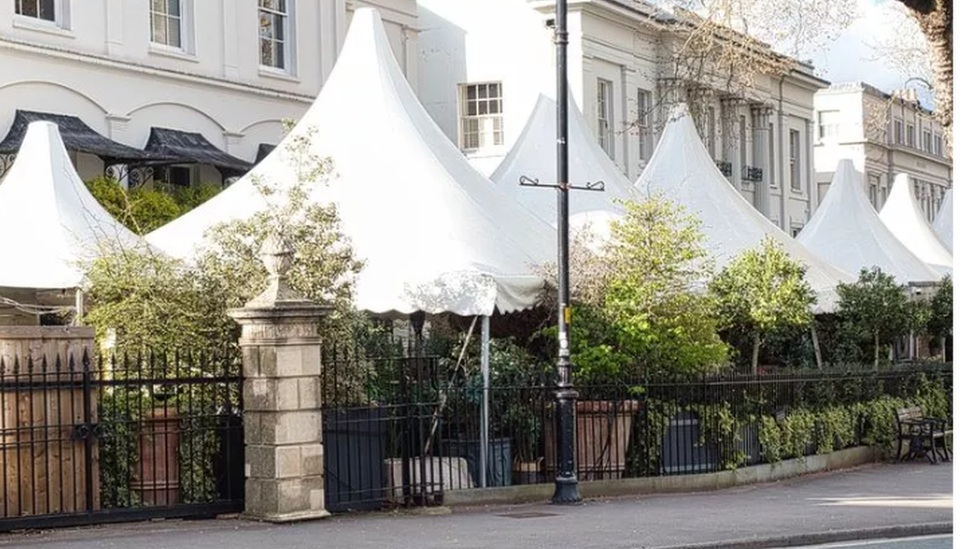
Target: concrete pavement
874 501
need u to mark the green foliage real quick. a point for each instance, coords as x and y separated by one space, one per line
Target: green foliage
940 322
640 311
763 290
144 300
141 210
192 196
770 439
876 308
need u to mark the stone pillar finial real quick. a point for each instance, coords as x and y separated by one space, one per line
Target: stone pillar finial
277 254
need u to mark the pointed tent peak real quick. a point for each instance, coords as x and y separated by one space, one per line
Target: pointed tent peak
903 217
682 170
847 231
43 191
533 155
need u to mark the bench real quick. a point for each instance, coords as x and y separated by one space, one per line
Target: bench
925 436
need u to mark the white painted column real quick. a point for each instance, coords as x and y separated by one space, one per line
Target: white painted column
114 28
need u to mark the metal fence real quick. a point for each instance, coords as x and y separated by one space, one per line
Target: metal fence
402 431
89 440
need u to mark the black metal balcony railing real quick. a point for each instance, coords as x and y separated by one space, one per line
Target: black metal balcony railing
724 167
752 173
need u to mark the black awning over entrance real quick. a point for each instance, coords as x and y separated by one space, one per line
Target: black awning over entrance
264 149
193 148
77 137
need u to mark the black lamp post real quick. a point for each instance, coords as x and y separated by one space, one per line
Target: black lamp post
567 485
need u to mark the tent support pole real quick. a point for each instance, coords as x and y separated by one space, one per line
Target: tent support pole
816 345
485 386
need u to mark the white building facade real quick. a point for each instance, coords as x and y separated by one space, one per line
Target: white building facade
485 61
884 135
228 70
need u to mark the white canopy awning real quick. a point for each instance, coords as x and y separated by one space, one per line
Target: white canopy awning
682 170
434 233
534 156
49 223
905 220
847 231
943 221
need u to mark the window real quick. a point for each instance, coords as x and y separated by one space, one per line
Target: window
927 141
743 154
899 132
711 131
911 135
646 145
167 22
795 160
604 115
829 124
45 10
874 181
481 116
274 30
938 145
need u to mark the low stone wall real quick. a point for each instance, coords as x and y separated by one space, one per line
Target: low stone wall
756 474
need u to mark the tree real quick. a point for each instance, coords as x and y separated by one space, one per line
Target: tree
940 321
764 290
876 307
143 300
638 308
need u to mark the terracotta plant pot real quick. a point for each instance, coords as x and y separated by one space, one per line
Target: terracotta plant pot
157 478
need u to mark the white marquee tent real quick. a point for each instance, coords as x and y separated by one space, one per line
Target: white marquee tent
435 234
943 221
534 156
682 170
847 231
905 219
49 222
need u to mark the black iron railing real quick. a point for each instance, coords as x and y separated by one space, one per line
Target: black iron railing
86 440
415 432
752 174
724 167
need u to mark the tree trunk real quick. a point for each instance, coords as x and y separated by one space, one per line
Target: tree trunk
934 18
755 354
877 349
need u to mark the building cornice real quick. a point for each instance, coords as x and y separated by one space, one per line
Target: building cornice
138 68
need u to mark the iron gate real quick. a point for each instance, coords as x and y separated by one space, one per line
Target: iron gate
124 438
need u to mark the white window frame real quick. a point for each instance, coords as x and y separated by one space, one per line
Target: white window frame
910 130
186 30
62 19
287 43
645 135
927 141
831 130
899 132
489 127
604 115
938 140
874 182
795 147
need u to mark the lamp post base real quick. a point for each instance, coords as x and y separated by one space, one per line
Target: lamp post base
567 492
